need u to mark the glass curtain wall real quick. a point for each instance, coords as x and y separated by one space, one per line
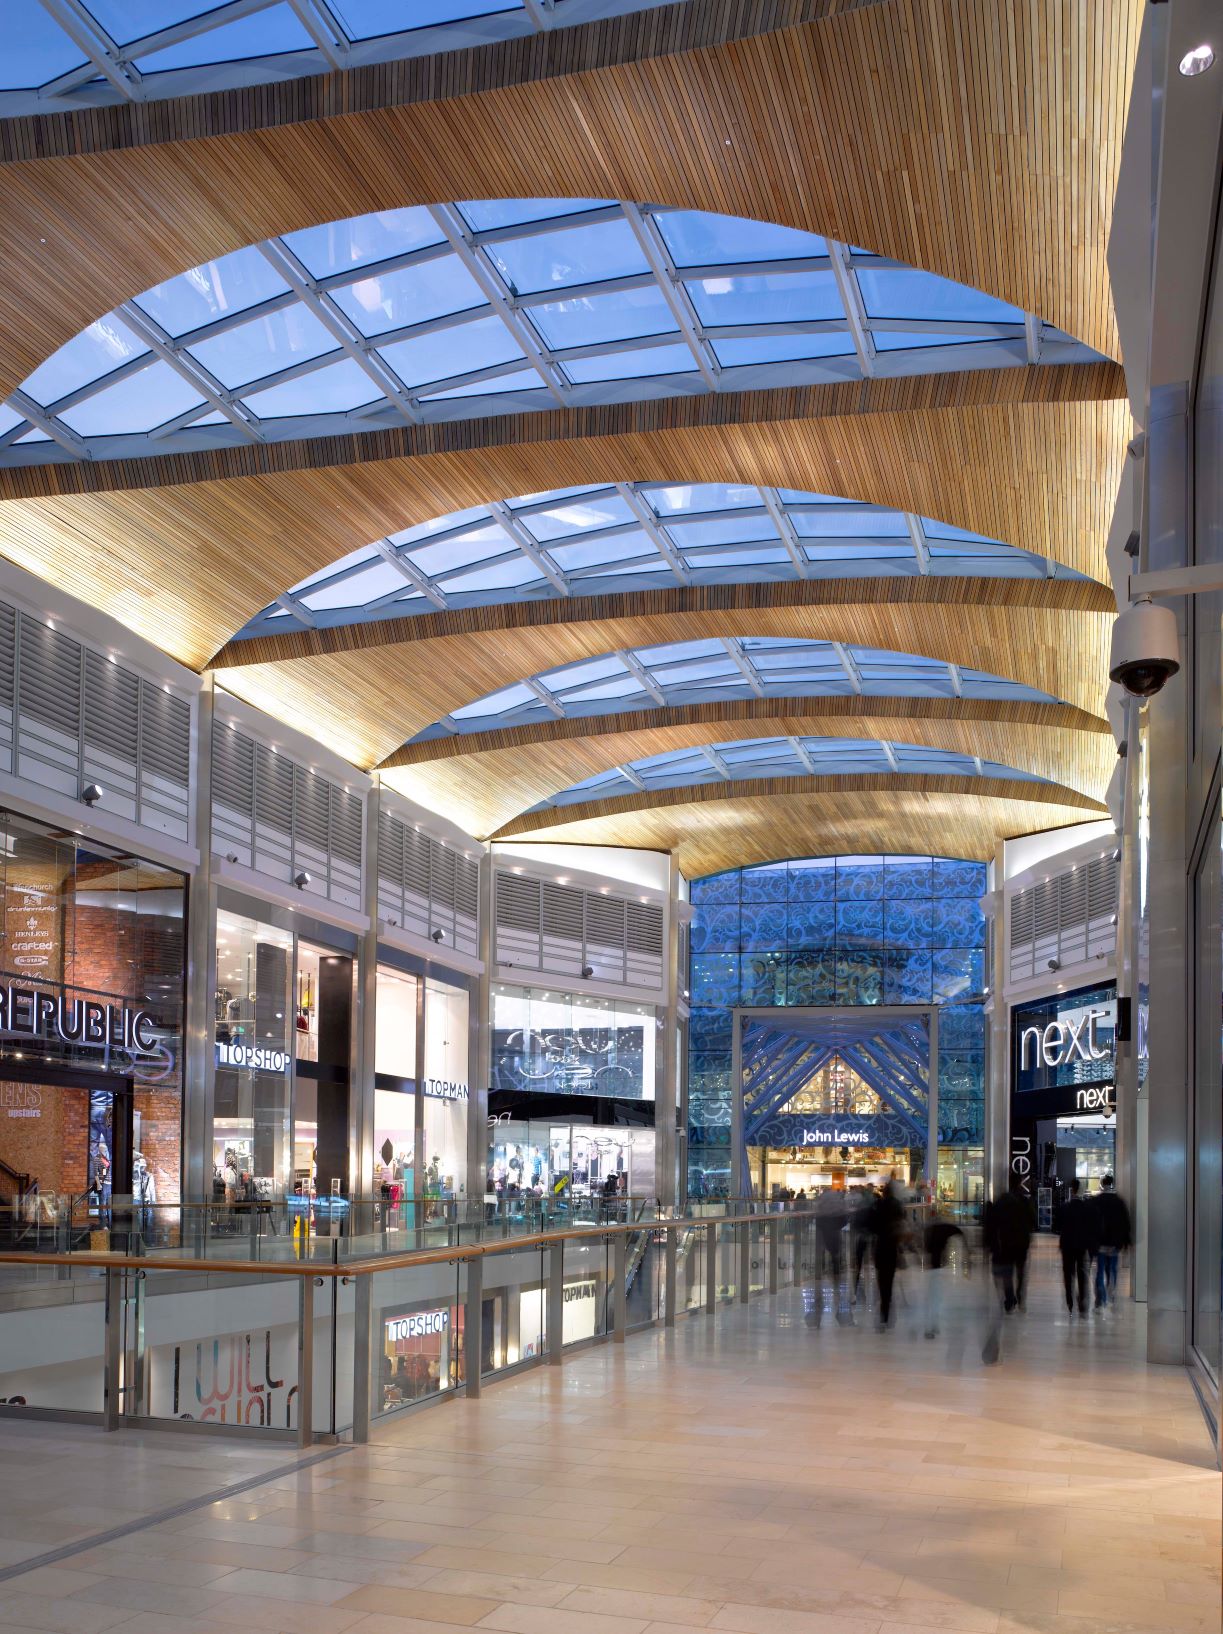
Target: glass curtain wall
837 931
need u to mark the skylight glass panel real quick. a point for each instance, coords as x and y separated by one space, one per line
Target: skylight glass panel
139 402
835 523
622 687
129 20
367 19
89 356
521 380
690 534
577 675
678 498
636 365
231 283
621 547
697 239
380 579
453 520
444 353
592 320
8 418
600 510
745 352
262 34
486 215
588 254
476 546
409 295
497 703
895 340
361 241
336 389
497 576
354 558
35 52
769 297
264 346
906 292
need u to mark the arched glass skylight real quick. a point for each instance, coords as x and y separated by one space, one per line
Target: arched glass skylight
777 757
501 306
73 53
697 672
636 536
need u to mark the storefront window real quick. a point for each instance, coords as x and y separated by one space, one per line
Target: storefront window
422 1353
395 1046
446 1088
1208 1113
91 982
574 1046
582 1161
250 1150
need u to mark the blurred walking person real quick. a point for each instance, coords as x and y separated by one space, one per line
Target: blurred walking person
1077 1241
1008 1225
1114 1234
937 1240
886 1224
832 1217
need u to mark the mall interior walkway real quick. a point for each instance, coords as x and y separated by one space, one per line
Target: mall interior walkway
757 1475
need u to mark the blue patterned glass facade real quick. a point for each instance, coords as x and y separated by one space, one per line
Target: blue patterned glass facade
835 930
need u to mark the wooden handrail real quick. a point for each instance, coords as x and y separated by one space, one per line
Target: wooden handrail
388 1262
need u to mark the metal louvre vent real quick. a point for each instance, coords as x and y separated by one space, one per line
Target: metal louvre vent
427 887
280 818
69 717
1069 918
560 930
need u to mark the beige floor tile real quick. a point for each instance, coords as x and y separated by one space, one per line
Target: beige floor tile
538 1620
465 1609
622 1602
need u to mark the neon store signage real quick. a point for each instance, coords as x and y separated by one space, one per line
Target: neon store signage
26 1013
1061 1043
417 1326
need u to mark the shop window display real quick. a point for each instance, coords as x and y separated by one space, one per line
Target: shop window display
422 1354
569 1161
251 1120
572 1045
446 1089
92 967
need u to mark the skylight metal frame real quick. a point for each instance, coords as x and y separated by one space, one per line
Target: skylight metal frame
721 670
670 554
979 344
779 758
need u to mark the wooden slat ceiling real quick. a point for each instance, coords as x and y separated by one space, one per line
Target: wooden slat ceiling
708 834
365 703
977 138
482 792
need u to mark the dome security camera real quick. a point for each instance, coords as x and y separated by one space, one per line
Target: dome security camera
588 971
1146 648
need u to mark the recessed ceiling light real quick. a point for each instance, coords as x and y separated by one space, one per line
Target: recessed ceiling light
1197 61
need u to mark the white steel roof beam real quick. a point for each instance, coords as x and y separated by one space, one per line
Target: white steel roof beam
803 755
654 530
1033 336
278 256
657 255
38 417
88 35
889 753
195 374
845 659
786 531
917 535
716 761
498 297
743 664
549 699
633 777
957 680
855 310
320 23
534 553
642 676
414 576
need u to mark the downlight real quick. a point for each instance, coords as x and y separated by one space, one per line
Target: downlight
1197 61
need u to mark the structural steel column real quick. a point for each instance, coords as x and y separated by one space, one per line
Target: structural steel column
361 1100
482 1057
666 1105
998 1062
932 1106
199 1062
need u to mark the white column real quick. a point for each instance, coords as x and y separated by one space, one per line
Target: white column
199 1054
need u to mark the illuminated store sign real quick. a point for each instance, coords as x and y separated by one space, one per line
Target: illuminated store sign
1060 1043
577 1290
418 1326
442 1089
27 1013
1096 1098
253 1056
849 1135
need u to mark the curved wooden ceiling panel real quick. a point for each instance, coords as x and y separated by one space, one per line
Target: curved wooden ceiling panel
708 834
484 791
977 138
365 703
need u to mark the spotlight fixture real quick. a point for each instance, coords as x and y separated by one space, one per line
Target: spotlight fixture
436 935
1197 61
587 972
301 879
1055 964
92 793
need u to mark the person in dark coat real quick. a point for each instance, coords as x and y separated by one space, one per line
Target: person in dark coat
886 1224
1077 1241
1007 1226
1114 1234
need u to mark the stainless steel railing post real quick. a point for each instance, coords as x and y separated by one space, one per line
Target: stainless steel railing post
711 1266
473 1326
112 1349
745 1260
556 1303
671 1273
774 1230
362 1356
620 1290
305 1362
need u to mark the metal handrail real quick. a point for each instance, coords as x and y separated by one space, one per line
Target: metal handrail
395 1262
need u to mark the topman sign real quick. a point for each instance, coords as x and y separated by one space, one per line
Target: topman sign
26 1012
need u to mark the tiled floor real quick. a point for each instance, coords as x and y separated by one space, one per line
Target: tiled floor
752 1474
